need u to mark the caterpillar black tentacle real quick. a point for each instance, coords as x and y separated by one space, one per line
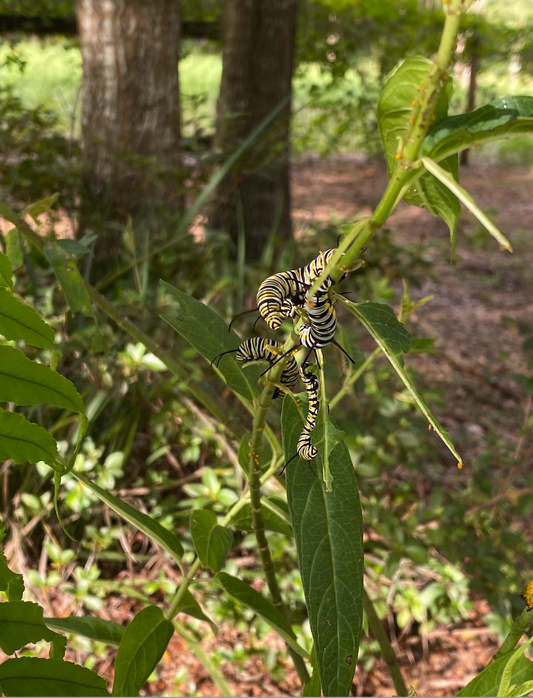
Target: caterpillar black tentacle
259 348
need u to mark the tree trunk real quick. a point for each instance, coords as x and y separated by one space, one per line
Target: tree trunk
472 86
258 57
130 111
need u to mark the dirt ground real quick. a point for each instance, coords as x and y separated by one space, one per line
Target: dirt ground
479 353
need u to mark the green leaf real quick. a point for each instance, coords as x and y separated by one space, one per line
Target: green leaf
140 650
21 622
257 603
328 436
25 442
208 333
212 542
329 539
13 248
498 119
466 199
33 676
189 605
422 345
10 582
69 277
384 324
313 687
395 110
87 626
6 272
431 194
150 527
487 683
42 206
393 339
58 646
272 518
26 382
507 674
19 321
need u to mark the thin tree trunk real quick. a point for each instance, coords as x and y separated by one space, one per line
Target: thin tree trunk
130 112
258 58
471 101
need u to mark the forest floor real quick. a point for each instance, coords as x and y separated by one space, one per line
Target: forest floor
479 351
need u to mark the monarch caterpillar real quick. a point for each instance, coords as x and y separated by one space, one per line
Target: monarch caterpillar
259 348
279 295
304 448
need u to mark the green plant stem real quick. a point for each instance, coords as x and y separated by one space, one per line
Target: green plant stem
185 583
386 649
520 626
352 378
254 475
364 230
211 667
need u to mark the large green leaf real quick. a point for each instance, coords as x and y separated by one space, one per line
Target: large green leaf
400 95
140 650
329 539
10 582
88 626
6 272
68 275
498 119
394 340
488 682
208 333
212 542
33 676
149 526
26 382
21 622
19 321
257 603
25 442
